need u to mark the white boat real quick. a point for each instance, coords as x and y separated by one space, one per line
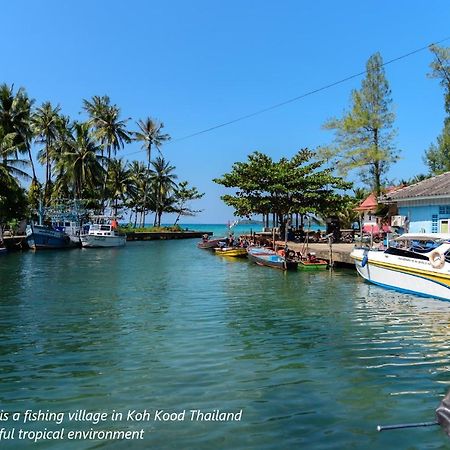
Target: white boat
413 263
103 232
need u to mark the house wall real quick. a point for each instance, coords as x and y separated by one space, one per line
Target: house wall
425 218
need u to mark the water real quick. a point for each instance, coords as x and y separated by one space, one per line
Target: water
314 360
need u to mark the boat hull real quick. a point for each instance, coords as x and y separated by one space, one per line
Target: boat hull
210 244
403 274
40 237
306 265
231 251
91 241
269 258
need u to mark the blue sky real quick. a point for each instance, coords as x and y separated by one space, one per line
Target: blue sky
197 64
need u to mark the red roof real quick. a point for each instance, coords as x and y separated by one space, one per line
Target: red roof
369 204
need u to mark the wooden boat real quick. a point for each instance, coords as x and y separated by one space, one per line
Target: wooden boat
310 262
267 257
238 252
208 243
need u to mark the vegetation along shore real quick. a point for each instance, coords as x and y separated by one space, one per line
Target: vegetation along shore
81 160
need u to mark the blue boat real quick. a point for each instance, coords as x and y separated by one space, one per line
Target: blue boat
64 231
46 237
270 258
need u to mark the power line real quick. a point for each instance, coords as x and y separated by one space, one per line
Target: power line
302 96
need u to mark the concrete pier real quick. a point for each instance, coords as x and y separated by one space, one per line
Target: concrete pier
156 235
339 253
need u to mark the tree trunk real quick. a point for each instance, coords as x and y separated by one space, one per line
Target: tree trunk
376 164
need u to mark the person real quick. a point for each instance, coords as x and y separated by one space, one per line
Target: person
406 225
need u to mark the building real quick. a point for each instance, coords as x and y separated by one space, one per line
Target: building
424 206
367 209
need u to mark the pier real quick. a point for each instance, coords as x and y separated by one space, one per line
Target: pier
158 235
339 253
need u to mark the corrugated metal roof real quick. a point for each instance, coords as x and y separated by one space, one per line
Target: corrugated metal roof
438 186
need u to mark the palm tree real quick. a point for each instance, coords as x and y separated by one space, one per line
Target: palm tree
10 165
140 179
163 180
150 135
81 163
15 111
119 182
45 127
108 129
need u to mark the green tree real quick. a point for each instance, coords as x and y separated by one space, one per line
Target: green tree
437 157
15 129
119 183
283 187
140 180
364 137
183 194
163 184
13 199
44 124
150 135
80 164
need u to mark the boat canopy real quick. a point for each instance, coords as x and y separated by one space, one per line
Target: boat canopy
423 237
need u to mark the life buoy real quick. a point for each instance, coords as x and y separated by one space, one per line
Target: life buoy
437 259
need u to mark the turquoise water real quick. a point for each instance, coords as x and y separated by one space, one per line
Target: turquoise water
222 229
313 360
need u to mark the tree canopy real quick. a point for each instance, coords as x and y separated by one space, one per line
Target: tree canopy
437 157
364 136
283 187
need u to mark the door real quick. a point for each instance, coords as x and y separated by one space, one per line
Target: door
444 226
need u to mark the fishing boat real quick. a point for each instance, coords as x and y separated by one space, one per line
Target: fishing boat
413 263
237 252
41 237
270 258
62 229
210 243
311 262
102 232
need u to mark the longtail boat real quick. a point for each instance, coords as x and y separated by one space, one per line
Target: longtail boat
270 258
239 252
208 243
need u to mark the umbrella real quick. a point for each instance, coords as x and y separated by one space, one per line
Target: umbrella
442 419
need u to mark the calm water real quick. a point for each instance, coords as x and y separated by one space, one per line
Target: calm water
314 360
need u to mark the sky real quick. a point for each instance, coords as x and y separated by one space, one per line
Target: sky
197 64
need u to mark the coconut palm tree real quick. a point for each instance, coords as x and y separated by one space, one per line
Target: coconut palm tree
81 162
141 182
15 111
150 135
119 183
163 181
110 131
44 123
10 165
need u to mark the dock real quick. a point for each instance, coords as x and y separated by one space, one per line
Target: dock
339 253
163 235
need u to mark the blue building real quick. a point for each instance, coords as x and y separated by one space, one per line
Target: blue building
425 205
